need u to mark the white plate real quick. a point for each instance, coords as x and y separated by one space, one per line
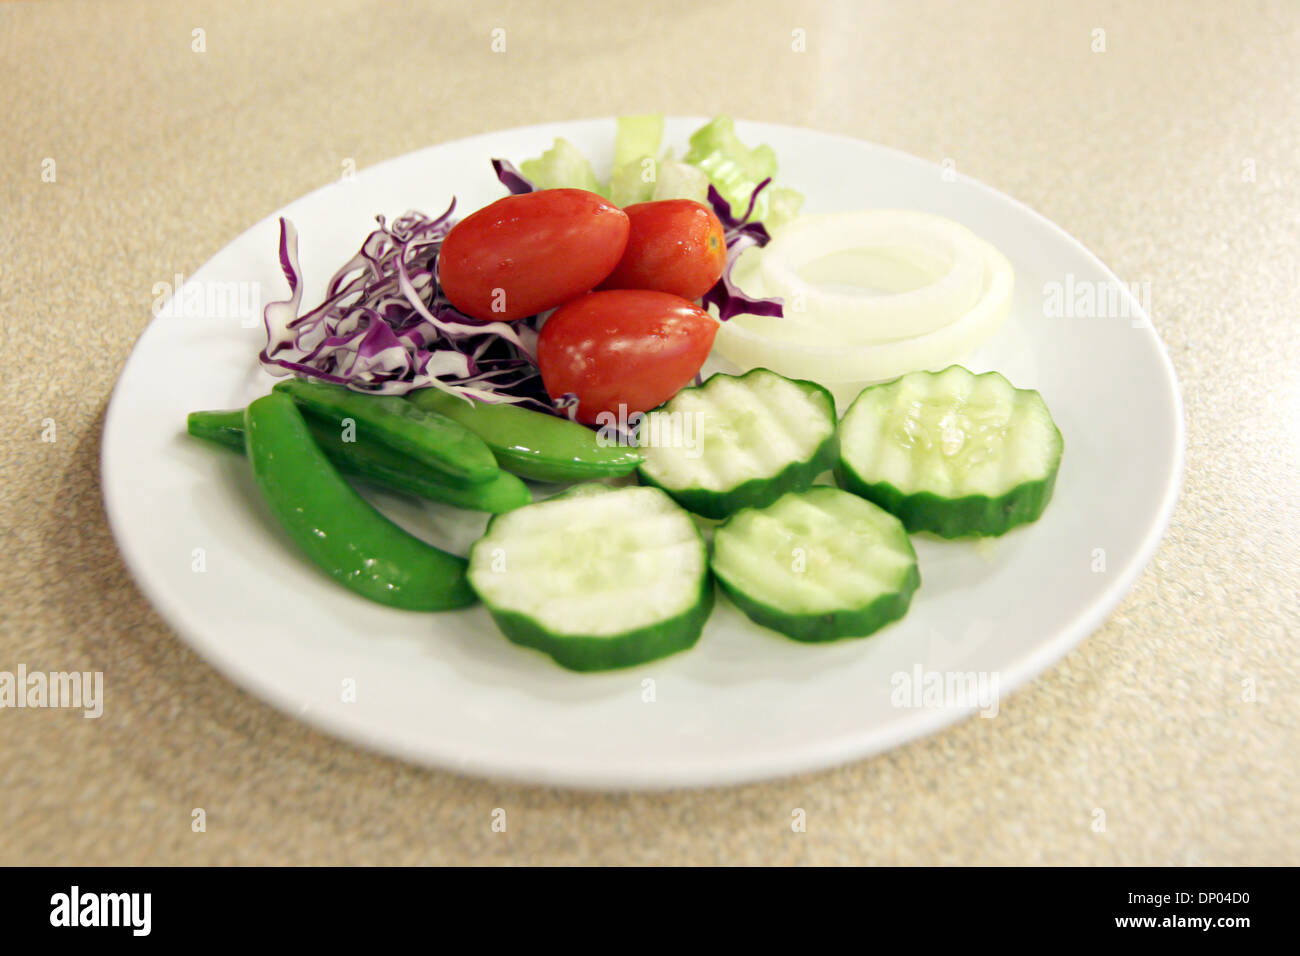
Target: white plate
449 691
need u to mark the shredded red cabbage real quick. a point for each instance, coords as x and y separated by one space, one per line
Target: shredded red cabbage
385 326
741 234
511 177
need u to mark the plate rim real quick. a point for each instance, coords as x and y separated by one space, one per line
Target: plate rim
822 754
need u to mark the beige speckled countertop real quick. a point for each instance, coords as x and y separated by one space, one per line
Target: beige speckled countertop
1174 154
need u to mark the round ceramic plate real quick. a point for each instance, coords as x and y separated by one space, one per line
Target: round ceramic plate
448 690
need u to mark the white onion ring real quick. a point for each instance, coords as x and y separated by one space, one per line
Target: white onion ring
863 319
805 349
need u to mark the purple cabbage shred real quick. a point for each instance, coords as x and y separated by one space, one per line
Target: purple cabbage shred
385 327
511 177
740 234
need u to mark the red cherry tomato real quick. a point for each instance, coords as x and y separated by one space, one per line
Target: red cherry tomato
675 245
628 347
525 254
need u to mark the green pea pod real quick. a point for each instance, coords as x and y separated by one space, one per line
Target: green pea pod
222 427
449 448
533 444
335 526
377 464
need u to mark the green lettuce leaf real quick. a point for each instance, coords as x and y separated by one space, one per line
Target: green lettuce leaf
562 167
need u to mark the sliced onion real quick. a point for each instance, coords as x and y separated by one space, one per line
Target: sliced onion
949 255
804 349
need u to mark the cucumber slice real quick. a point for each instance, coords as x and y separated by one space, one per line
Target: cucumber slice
597 577
738 441
951 452
817 565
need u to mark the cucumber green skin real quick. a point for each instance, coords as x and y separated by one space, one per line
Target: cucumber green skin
831 626
972 515
338 529
533 444
584 653
578 653
449 448
377 464
757 492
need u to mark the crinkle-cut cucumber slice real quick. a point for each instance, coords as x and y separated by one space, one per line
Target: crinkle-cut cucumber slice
951 452
738 441
597 577
817 565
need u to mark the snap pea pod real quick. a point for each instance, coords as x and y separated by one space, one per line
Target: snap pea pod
376 463
533 444
449 448
225 427
336 527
